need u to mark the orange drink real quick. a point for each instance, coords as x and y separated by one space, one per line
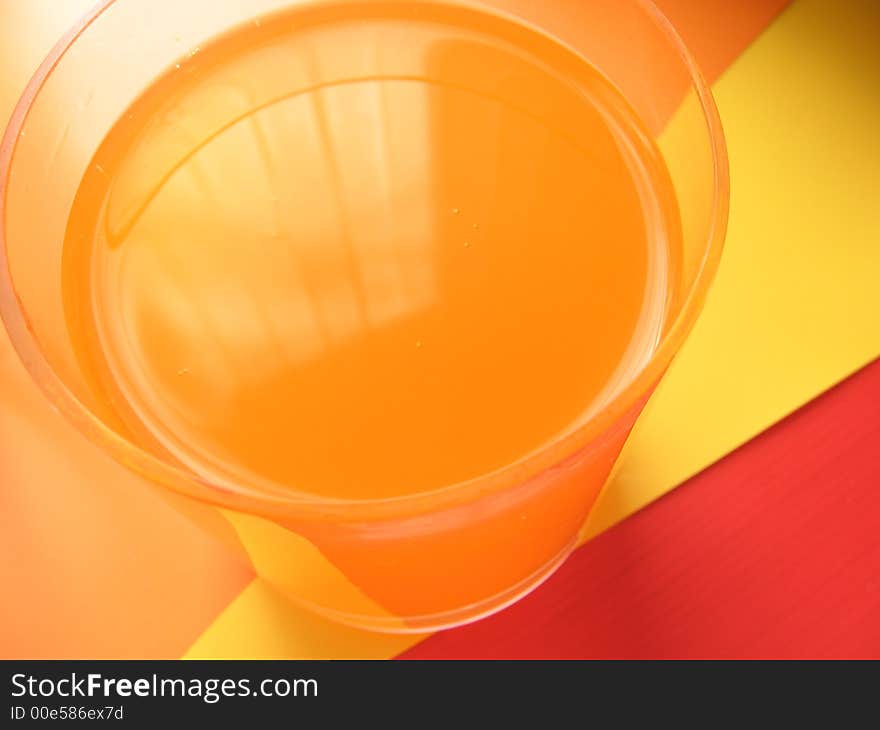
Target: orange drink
385 281
379 280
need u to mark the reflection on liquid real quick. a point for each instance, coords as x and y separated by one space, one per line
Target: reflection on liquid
366 258
307 250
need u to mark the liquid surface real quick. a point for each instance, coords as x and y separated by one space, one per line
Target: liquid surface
364 255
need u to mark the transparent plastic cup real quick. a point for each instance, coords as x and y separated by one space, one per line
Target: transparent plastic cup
408 564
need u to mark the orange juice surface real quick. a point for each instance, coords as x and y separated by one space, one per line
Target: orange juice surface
364 251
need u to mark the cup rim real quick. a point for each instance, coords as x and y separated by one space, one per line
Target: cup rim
300 506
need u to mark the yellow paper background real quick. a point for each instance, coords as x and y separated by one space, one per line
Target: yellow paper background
796 304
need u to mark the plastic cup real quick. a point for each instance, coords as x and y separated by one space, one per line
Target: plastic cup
408 564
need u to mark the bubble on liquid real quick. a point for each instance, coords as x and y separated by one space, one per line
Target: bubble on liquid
177 65
194 51
456 211
418 344
467 244
475 226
